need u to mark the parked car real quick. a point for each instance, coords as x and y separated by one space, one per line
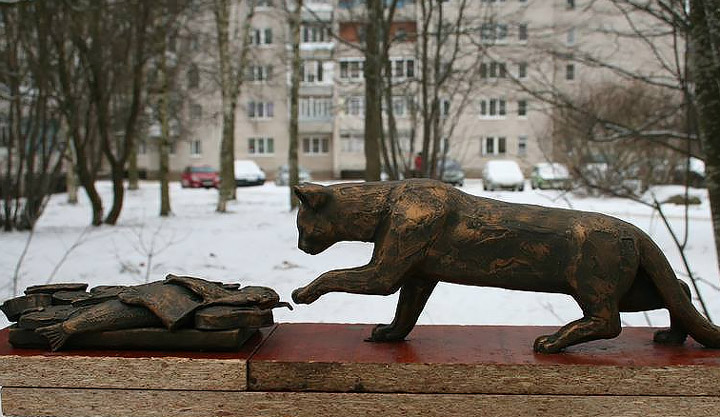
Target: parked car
247 172
696 171
503 174
200 176
550 175
282 177
452 172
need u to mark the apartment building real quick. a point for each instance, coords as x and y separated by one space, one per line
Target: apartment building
507 51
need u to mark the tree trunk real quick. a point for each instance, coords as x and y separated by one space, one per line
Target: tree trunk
705 35
373 97
133 176
426 8
70 176
164 145
227 82
294 177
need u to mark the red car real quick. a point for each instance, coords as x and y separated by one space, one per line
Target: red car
200 176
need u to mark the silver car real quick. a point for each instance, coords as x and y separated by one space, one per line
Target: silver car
282 176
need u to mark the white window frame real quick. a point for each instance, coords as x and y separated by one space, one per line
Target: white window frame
495 141
259 36
355 106
260 110
261 146
491 32
352 142
493 70
195 148
523 33
522 145
196 112
571 37
522 70
353 69
260 73
523 105
311 72
570 72
314 33
493 108
316 145
315 108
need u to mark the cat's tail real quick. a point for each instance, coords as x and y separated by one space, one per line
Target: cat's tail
654 262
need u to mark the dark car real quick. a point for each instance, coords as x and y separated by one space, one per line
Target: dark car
451 172
200 176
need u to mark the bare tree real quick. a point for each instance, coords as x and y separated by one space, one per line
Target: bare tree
293 170
231 78
29 116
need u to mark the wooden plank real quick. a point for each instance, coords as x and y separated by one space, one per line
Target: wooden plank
126 369
478 359
129 403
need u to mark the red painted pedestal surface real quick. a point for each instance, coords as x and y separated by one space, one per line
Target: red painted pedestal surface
328 369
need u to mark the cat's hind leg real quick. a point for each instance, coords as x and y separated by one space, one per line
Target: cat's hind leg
413 297
601 321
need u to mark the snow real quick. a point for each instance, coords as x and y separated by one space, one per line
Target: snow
256 243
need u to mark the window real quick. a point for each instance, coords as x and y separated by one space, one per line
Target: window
570 72
311 72
570 4
493 32
316 146
403 68
195 111
351 69
352 142
173 147
313 108
260 109
493 70
261 36
522 70
444 108
261 146
260 73
492 108
494 145
522 108
142 147
355 106
193 76
522 145
314 33
261 3
400 106
523 32
195 148
570 37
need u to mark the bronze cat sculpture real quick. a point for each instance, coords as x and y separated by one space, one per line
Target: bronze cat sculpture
426 231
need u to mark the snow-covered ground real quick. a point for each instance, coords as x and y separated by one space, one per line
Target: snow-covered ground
256 243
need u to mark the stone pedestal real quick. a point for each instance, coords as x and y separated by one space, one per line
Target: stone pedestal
327 369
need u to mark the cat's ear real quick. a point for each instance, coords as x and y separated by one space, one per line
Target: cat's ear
313 196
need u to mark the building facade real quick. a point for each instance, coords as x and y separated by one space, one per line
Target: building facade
502 54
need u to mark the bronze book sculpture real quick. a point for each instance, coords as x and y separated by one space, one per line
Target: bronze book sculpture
426 231
179 313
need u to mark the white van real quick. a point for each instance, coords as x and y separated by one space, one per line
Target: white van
247 172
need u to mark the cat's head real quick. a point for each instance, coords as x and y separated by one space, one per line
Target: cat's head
316 219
